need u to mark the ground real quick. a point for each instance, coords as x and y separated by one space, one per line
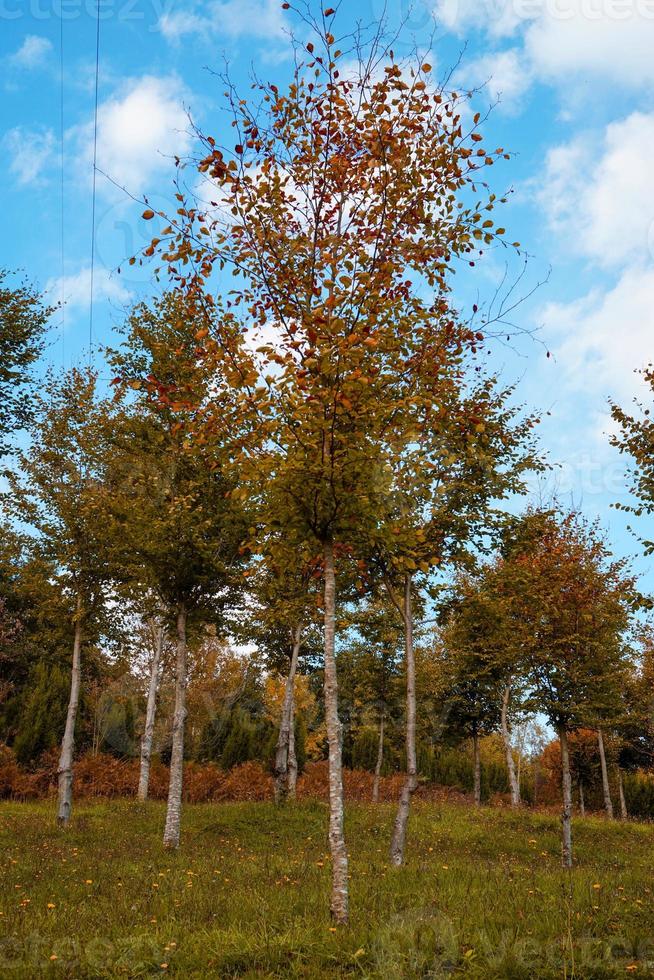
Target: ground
482 895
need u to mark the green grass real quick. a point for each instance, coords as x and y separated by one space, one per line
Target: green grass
482 895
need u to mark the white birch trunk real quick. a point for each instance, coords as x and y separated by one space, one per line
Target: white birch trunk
292 757
282 753
623 803
65 769
411 782
510 763
175 784
339 895
608 803
150 712
477 769
566 814
380 760
582 802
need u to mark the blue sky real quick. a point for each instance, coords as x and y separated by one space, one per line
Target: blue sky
574 80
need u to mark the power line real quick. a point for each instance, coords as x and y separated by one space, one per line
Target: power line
95 171
62 196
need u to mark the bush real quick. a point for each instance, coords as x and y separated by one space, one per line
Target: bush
43 713
639 794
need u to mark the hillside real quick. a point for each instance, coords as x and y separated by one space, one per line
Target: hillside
482 895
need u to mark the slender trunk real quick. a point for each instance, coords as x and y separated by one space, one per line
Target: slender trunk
282 754
608 803
339 895
477 768
380 759
566 814
510 763
623 803
174 810
65 770
582 804
292 757
411 782
150 711
519 772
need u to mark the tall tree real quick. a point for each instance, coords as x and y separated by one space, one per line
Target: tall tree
58 493
341 207
570 615
471 449
177 531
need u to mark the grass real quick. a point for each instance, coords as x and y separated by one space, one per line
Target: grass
482 895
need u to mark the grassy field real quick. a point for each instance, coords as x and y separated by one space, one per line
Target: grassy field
482 895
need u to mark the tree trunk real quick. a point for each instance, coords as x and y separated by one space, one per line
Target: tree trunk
411 782
380 759
510 763
174 810
282 754
292 757
623 803
608 803
477 768
566 814
65 770
339 895
582 804
150 711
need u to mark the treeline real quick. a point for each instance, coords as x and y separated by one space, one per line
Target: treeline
302 452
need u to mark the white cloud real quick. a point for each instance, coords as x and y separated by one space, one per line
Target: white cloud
498 17
76 289
226 18
504 75
30 153
32 53
612 39
601 339
139 129
601 193
609 39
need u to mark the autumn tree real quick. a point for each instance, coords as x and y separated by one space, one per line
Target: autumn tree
369 664
480 669
341 209
571 605
283 621
58 494
177 532
471 448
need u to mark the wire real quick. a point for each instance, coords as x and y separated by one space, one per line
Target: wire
62 196
95 171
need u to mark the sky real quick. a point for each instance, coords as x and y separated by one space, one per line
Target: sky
569 84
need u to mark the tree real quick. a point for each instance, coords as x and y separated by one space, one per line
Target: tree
478 670
448 482
177 531
369 665
157 637
570 613
341 207
58 494
23 323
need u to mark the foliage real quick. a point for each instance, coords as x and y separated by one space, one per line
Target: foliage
23 323
635 438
